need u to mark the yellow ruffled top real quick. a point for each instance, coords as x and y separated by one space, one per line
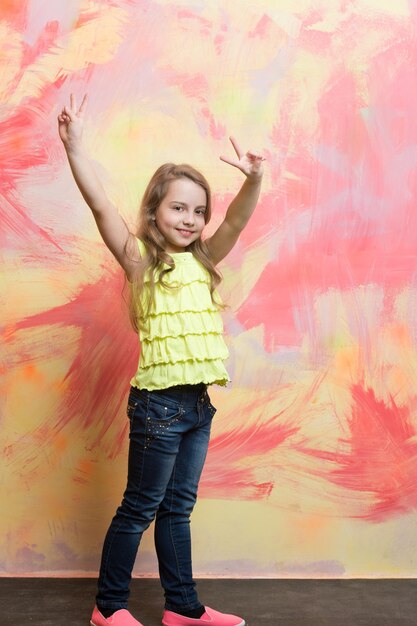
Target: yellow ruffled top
182 338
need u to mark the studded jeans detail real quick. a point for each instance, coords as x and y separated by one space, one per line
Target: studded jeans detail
169 436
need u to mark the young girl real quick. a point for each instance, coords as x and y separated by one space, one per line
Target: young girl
176 310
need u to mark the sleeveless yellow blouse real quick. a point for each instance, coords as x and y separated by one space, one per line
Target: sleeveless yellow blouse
182 338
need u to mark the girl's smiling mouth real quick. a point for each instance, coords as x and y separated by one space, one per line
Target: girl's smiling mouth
184 232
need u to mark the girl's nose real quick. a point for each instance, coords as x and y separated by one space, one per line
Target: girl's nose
188 219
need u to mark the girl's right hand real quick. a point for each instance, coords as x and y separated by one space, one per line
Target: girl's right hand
71 122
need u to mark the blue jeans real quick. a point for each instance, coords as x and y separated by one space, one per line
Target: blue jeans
169 436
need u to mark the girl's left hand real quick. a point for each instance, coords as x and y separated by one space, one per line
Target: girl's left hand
250 163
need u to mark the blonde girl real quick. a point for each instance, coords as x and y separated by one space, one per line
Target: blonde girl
175 308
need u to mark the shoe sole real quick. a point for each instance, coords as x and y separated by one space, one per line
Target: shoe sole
243 623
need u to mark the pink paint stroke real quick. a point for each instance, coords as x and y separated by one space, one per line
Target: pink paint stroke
381 457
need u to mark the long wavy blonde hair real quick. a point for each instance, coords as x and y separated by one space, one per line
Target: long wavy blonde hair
154 262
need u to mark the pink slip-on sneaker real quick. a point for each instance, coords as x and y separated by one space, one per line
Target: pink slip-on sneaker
122 617
209 618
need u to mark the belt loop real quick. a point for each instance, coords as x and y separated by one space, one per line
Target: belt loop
203 394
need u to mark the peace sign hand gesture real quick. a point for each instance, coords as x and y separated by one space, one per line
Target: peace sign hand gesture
71 122
250 163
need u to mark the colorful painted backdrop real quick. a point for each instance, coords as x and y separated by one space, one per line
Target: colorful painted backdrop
312 469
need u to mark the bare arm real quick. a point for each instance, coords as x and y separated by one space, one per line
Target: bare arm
242 206
111 225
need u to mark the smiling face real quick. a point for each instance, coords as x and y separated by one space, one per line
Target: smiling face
180 216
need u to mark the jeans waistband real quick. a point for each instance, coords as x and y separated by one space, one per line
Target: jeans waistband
184 394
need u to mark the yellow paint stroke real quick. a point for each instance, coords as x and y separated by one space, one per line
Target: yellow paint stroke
11 53
93 42
239 282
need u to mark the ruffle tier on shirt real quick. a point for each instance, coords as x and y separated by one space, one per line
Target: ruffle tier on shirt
184 348
168 325
182 373
182 338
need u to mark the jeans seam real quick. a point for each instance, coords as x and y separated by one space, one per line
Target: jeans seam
172 538
120 523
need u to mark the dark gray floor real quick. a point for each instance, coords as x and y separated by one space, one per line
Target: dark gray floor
62 602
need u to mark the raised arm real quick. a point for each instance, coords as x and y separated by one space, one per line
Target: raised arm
241 207
111 225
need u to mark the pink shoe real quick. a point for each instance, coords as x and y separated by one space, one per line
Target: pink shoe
210 617
122 617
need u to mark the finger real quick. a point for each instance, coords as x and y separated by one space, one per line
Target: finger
230 161
69 113
236 147
83 104
73 103
254 155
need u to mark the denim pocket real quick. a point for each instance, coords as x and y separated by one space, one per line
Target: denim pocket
212 409
131 408
161 417
163 412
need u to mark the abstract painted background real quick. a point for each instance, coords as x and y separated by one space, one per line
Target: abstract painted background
312 469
